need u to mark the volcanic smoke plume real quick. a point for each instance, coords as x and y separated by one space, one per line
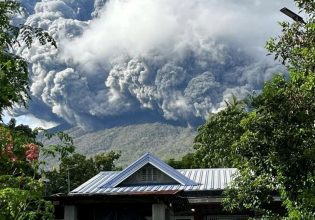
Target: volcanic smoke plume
167 60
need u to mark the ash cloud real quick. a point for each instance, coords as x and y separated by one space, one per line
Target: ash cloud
170 59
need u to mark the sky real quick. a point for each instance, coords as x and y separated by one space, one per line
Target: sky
134 61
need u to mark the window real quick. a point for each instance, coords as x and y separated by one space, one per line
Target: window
149 174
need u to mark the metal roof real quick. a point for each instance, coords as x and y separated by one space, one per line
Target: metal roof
206 179
147 158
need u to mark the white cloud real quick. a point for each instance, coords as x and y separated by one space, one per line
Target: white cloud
139 27
30 120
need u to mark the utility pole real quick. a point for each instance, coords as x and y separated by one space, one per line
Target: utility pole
69 181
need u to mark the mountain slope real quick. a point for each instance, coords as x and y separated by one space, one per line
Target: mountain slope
163 140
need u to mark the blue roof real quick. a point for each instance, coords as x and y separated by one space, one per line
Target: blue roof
148 158
207 179
108 183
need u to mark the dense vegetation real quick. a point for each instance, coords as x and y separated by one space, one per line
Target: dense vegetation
164 140
76 169
21 188
21 184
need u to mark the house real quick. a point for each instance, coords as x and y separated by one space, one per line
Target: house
149 189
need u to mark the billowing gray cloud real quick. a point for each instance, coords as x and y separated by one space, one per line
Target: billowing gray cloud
176 59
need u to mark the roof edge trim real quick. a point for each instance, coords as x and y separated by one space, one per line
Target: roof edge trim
148 158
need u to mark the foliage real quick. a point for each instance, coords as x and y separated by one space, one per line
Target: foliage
22 198
277 149
77 169
13 69
296 46
105 161
13 147
21 186
186 162
62 148
215 138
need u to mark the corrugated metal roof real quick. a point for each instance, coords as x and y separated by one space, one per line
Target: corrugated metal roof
148 158
206 179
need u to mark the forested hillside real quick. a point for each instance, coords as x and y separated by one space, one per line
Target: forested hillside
165 141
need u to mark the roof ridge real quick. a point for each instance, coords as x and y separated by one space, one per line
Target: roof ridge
148 158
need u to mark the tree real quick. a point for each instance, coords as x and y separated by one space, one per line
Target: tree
18 189
21 186
276 151
77 169
105 161
13 69
186 162
213 143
